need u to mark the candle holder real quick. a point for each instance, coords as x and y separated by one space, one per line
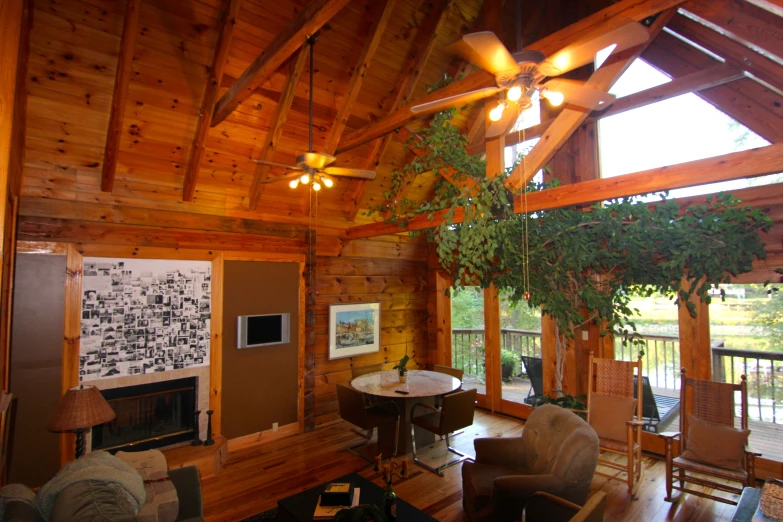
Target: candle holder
210 441
389 469
196 439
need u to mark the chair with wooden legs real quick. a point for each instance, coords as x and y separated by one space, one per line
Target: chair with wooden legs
367 417
709 443
543 506
616 415
455 413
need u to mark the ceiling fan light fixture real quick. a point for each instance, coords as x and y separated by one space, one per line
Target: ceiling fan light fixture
497 113
316 186
305 179
514 93
328 183
554 97
294 183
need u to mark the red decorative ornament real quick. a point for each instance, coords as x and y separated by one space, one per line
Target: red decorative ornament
526 296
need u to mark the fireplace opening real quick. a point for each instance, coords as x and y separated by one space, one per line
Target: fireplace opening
148 416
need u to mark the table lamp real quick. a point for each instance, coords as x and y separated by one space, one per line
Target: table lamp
80 409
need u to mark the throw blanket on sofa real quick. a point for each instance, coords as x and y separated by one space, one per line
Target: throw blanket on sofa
16 493
100 466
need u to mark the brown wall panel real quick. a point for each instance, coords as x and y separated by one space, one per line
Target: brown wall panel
36 356
259 384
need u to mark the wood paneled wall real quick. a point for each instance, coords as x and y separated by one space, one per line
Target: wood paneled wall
392 272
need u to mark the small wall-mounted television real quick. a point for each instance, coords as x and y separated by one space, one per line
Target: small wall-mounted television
263 330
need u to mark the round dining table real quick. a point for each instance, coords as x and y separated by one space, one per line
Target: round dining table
422 386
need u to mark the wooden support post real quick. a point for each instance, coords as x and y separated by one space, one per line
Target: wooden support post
69 377
216 344
695 351
548 353
492 346
214 77
130 30
439 320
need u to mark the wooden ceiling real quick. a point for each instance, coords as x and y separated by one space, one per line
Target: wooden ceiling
120 95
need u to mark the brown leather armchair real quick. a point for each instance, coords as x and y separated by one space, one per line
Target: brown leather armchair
557 453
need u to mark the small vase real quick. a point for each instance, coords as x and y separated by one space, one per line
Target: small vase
404 377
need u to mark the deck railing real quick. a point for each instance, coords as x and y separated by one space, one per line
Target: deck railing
467 345
660 362
764 374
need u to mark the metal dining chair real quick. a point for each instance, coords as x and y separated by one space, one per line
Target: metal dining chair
364 370
367 417
456 412
448 370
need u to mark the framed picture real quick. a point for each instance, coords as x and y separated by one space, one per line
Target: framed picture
354 329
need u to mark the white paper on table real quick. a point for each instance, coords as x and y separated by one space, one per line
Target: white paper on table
355 501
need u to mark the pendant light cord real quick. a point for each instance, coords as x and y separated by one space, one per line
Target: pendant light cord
311 43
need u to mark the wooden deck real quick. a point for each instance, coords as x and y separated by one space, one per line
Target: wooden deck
765 437
255 477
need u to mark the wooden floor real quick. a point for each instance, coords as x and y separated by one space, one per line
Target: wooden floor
255 478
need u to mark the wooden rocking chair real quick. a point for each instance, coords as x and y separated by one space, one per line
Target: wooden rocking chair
616 415
710 402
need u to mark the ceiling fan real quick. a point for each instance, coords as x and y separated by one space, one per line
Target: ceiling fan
313 166
520 75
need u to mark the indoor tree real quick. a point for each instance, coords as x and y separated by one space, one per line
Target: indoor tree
578 266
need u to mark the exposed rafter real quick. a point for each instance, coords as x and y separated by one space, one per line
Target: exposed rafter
743 22
749 163
404 87
599 23
714 76
570 118
276 124
287 41
375 34
130 31
214 77
734 53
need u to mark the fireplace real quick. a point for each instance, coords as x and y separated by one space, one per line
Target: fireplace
148 416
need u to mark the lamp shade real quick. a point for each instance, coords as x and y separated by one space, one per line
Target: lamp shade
81 408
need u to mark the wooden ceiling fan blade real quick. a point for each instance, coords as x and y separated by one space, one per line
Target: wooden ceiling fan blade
284 177
315 160
456 100
349 173
577 94
582 53
487 51
510 116
275 164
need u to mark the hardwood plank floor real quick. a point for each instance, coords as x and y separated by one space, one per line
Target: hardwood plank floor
254 478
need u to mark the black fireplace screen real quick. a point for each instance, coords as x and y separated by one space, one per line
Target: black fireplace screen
148 416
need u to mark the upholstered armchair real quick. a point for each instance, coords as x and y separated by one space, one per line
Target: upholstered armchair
557 453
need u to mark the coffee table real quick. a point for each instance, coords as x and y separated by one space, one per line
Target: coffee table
300 507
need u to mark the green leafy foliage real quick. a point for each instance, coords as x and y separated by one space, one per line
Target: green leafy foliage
564 400
509 361
583 265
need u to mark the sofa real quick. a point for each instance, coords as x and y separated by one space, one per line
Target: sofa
557 454
94 501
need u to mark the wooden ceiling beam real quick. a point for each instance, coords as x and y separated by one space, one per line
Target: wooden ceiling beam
421 49
597 24
214 77
279 117
570 118
737 165
718 74
282 47
734 53
130 31
743 22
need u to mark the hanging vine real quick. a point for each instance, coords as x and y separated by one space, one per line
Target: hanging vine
584 266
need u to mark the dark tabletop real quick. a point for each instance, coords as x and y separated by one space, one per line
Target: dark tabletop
300 507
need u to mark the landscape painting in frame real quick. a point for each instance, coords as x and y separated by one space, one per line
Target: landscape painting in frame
354 329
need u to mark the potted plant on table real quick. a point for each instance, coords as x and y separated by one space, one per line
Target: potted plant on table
401 368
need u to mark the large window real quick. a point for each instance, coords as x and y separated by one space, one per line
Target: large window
677 130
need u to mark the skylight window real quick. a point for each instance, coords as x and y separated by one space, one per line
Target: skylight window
516 152
677 130
531 116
